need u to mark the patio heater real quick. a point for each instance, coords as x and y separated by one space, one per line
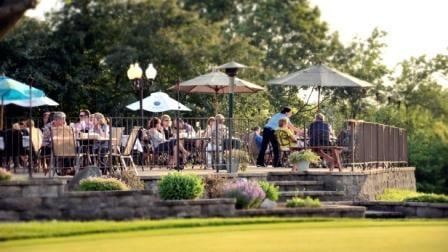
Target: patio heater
135 74
231 70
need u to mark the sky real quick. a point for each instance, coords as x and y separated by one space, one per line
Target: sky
414 27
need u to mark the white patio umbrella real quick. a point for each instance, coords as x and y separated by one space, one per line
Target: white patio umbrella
35 102
158 102
320 76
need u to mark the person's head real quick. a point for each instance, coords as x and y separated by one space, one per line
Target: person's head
180 122
155 123
50 117
58 118
210 121
282 123
45 117
219 119
84 115
166 121
256 129
319 117
16 126
287 111
99 118
29 123
22 124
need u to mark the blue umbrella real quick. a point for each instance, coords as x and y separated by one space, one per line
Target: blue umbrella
11 89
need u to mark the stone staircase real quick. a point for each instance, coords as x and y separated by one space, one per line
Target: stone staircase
298 185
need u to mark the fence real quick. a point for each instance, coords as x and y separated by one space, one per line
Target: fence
127 145
376 145
121 143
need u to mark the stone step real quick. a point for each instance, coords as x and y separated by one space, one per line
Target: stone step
383 214
321 195
299 185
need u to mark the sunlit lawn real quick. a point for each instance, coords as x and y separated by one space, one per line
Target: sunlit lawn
262 234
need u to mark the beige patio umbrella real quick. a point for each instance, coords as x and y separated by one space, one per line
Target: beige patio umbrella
216 83
320 76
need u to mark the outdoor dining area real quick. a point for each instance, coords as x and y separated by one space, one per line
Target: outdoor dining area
167 139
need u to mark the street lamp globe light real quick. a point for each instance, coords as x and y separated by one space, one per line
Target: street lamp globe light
151 72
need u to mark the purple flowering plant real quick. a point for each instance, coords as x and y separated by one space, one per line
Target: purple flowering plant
248 194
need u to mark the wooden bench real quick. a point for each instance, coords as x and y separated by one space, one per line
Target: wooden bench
333 159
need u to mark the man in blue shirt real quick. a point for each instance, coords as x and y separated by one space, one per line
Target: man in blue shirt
269 137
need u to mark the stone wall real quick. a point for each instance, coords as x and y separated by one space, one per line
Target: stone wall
115 205
32 188
366 185
357 185
409 209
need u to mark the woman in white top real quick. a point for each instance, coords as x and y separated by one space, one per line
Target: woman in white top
161 144
101 128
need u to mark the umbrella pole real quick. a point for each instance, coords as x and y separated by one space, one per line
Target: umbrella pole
177 126
30 158
215 102
318 99
1 114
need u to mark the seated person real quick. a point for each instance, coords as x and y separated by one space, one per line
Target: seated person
184 127
161 144
285 136
218 132
320 132
101 128
57 121
84 124
166 125
254 142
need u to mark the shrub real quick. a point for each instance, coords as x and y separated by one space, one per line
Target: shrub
411 196
130 179
102 184
304 155
178 186
299 202
431 198
397 195
5 175
270 190
214 186
248 194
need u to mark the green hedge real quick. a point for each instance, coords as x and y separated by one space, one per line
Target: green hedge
411 196
178 186
102 184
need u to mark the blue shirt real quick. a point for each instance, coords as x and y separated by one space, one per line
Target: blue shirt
258 141
273 122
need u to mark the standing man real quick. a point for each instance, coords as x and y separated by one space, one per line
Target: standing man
269 137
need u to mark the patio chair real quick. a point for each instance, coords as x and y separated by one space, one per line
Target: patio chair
63 146
127 151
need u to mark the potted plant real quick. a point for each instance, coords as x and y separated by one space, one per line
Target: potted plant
238 157
301 159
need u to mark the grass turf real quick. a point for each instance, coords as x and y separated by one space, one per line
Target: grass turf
260 234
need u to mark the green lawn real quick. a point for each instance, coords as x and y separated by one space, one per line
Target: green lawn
261 234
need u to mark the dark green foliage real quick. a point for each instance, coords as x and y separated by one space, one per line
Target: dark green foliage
178 186
430 198
270 190
102 184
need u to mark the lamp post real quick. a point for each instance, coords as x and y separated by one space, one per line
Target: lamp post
231 70
135 73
